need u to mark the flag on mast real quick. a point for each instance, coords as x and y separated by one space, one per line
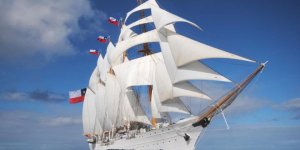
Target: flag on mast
113 21
103 39
76 96
94 52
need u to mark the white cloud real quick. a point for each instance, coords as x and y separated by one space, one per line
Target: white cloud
30 27
60 121
293 104
36 95
244 104
14 118
14 95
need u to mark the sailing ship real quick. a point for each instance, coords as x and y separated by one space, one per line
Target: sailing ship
113 116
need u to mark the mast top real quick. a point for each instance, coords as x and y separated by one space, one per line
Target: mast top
146 50
139 2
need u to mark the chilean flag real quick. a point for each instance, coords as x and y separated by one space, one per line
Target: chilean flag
113 21
102 39
77 96
94 52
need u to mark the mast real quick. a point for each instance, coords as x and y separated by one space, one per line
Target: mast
146 51
226 100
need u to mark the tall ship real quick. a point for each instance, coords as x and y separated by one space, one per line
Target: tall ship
121 89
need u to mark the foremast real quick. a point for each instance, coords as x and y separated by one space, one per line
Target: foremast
226 100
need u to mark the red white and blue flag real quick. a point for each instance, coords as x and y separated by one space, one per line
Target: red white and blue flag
113 21
94 52
102 39
77 96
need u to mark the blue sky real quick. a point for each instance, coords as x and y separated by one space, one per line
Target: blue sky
44 54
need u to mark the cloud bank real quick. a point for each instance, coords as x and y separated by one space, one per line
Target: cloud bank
29 130
36 95
292 106
60 121
43 28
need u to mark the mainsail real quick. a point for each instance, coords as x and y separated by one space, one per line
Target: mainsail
110 100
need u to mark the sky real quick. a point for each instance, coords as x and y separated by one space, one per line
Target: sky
44 54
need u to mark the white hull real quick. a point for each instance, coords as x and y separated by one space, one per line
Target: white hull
171 137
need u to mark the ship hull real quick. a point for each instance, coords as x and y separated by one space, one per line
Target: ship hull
171 137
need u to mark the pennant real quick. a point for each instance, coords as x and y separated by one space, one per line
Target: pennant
113 21
77 96
103 39
94 52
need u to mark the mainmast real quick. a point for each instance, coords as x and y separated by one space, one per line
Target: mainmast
146 51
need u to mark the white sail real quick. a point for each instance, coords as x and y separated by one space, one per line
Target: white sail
191 71
137 72
155 103
132 109
90 123
145 20
101 105
197 71
167 55
141 71
158 107
174 105
122 46
187 89
197 51
126 33
105 65
166 89
146 5
112 98
89 114
163 18
94 79
100 62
